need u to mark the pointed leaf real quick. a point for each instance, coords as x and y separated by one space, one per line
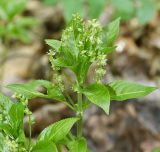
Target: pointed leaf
16 115
5 102
108 50
7 128
58 130
81 69
1 141
112 32
79 145
30 90
99 95
44 146
55 44
122 90
67 60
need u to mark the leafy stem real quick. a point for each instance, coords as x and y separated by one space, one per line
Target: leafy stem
87 42
30 130
59 147
80 116
70 136
69 98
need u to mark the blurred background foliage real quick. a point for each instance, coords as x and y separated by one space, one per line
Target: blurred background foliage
143 10
13 26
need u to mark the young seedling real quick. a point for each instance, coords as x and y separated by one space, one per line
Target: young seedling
13 27
82 44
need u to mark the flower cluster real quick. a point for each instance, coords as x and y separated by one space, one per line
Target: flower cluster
3 113
80 40
101 63
84 38
10 145
59 81
21 98
24 101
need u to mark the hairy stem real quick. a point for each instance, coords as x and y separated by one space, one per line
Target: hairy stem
79 115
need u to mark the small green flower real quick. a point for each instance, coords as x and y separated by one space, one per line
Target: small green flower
21 98
10 145
80 41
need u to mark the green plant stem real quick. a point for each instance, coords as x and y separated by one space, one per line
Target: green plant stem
68 104
59 147
79 115
69 98
30 131
70 136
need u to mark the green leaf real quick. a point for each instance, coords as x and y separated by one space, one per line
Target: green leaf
61 62
58 130
44 146
99 95
21 137
112 32
55 44
1 141
69 51
65 60
7 129
108 50
79 145
123 90
70 38
30 90
5 106
5 102
16 115
81 69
